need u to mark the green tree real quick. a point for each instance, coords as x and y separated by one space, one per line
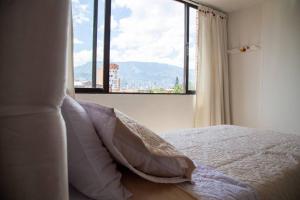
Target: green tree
178 88
176 81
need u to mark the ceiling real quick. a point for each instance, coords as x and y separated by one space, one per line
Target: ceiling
229 5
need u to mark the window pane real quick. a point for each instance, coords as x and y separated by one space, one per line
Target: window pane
147 46
82 11
100 42
192 49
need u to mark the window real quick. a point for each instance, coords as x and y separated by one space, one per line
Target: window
137 46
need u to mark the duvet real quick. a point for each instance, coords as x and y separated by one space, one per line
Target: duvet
240 163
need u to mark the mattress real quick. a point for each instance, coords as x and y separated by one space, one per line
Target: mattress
266 161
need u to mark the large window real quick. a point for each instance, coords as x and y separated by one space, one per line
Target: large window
136 46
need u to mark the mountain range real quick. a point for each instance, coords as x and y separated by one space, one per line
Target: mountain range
141 75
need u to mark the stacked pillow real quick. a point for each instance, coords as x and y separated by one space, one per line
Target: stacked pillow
92 171
138 148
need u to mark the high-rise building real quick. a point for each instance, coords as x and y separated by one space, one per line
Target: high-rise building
114 80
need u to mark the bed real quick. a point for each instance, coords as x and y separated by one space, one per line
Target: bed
233 163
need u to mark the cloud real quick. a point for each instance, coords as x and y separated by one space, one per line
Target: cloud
113 24
80 12
77 41
150 32
154 32
85 56
82 57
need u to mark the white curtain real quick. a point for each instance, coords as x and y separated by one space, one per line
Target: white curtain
69 61
212 89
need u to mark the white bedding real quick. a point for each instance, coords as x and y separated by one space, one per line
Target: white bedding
266 161
210 184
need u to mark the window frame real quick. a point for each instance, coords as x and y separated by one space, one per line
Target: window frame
106 53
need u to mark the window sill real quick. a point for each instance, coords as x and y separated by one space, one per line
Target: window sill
101 91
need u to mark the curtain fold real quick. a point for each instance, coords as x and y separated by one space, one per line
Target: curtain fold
212 105
70 90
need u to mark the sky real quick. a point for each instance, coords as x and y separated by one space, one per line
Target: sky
141 30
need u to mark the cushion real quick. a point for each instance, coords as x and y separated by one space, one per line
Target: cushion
138 148
92 171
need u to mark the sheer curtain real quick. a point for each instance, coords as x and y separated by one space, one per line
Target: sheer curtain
69 58
212 99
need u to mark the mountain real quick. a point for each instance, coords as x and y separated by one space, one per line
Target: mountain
142 75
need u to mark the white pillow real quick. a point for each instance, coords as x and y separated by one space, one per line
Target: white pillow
92 171
138 148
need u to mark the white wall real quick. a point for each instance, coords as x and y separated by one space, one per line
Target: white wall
244 28
265 84
158 112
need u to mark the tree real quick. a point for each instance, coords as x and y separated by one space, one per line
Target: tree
176 81
178 88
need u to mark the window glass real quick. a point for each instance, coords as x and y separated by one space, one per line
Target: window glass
192 48
82 13
147 46
100 43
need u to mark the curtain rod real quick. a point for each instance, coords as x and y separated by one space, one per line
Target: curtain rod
192 2
201 4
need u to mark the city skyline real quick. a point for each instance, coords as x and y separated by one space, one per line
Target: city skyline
135 75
